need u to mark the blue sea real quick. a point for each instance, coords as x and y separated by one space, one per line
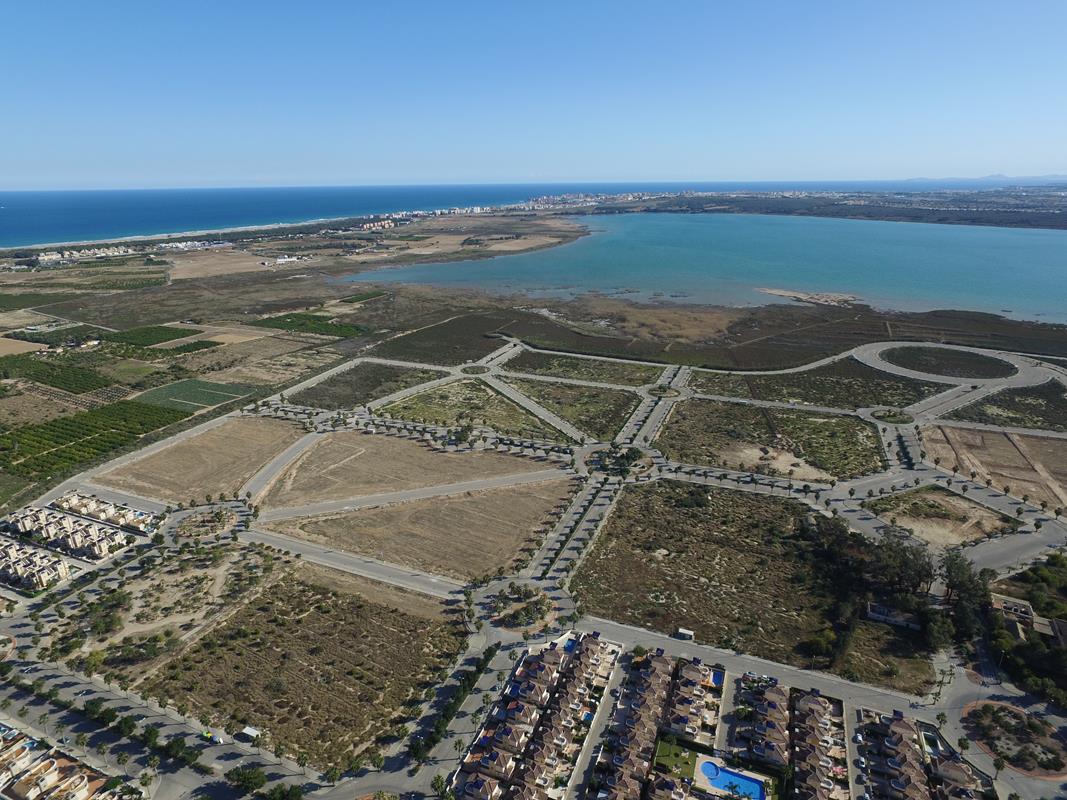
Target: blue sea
28 218
724 259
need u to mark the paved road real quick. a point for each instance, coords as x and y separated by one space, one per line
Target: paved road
433 585
259 483
536 409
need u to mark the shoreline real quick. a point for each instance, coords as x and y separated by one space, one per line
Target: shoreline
152 237
496 210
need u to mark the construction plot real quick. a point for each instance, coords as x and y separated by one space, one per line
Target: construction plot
353 464
742 571
361 384
599 412
800 444
941 518
216 462
471 402
1035 466
847 384
462 536
324 664
1042 406
587 369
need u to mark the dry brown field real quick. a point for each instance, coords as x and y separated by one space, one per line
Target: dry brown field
1033 465
217 461
9 347
23 408
207 263
278 369
10 320
352 464
208 362
462 536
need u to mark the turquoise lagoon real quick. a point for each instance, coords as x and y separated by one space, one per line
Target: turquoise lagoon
725 259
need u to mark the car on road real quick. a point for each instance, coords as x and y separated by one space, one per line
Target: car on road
861 762
858 738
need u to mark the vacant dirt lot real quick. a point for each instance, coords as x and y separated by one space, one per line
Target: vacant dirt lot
1033 465
732 571
351 464
470 402
941 518
24 408
10 347
322 665
463 537
803 444
239 354
217 461
206 263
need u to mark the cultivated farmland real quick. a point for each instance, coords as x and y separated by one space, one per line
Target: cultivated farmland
192 395
56 446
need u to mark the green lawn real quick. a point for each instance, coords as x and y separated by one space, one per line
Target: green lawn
676 759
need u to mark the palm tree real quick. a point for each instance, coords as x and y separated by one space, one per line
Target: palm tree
998 764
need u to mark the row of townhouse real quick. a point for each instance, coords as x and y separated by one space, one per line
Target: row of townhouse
766 738
820 750
75 536
31 772
643 707
899 765
117 514
30 568
695 700
533 735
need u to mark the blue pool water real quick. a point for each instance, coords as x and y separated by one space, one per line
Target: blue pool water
569 645
587 716
725 259
717 677
728 780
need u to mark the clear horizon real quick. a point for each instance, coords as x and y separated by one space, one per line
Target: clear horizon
621 182
239 95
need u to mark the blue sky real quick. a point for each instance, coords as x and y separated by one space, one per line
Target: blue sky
235 93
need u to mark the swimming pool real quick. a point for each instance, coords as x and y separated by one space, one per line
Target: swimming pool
727 780
717 676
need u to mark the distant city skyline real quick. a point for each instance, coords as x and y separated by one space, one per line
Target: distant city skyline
135 95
